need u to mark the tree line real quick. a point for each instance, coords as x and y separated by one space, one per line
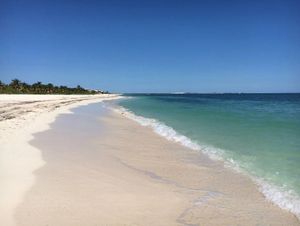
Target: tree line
18 87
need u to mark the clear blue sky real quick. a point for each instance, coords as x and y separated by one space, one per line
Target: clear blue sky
153 46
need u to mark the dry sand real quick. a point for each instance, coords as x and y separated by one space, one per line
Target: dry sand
20 117
108 170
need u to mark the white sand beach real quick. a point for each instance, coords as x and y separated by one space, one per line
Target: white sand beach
97 167
20 117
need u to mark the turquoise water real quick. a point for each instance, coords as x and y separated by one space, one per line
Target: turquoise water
256 133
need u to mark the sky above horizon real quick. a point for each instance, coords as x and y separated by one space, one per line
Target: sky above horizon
153 46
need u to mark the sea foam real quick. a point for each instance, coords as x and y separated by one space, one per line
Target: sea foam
284 198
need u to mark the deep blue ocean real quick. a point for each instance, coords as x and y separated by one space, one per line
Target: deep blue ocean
256 134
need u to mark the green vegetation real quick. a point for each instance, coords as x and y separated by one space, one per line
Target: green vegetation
18 87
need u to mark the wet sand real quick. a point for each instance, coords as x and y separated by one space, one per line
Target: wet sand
22 115
104 169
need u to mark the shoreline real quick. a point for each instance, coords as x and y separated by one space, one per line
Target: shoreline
21 116
286 200
126 167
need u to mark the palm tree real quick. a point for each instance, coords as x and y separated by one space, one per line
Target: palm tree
2 84
37 87
2 87
15 84
49 88
25 88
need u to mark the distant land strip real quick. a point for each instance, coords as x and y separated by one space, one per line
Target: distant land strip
18 87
